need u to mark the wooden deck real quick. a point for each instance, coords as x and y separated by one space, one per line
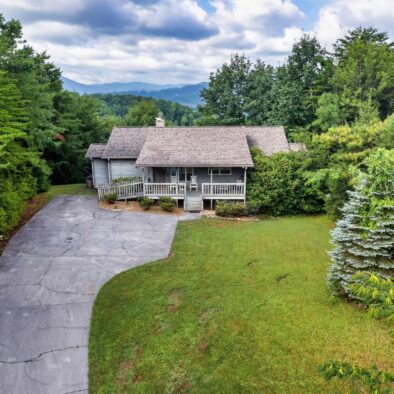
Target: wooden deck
209 191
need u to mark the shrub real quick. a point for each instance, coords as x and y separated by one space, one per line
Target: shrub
145 203
230 209
166 199
110 198
376 380
376 293
167 206
279 184
127 179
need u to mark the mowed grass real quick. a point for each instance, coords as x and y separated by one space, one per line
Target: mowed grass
239 307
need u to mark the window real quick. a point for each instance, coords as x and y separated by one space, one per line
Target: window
185 175
219 171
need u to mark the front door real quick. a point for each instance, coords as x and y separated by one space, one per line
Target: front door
159 175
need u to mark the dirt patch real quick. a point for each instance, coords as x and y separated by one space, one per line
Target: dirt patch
135 207
123 374
175 300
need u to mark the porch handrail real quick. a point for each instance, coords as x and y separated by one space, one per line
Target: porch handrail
164 189
223 189
123 190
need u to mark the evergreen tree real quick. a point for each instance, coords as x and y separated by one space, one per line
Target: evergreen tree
19 163
364 237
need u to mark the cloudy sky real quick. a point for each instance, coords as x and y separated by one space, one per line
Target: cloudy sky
180 41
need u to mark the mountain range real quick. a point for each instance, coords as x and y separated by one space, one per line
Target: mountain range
183 94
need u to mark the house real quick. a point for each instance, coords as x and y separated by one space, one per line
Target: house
192 164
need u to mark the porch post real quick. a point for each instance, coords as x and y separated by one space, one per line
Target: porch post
210 187
210 190
109 171
245 168
143 180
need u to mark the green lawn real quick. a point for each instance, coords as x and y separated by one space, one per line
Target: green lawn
239 307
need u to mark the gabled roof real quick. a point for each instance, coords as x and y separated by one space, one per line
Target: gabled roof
269 139
191 146
195 147
125 142
95 150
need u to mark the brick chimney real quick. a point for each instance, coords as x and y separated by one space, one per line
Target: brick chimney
160 122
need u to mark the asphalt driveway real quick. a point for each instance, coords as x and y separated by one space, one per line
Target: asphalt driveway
50 273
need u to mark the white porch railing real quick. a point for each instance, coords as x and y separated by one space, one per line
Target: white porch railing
122 190
164 189
226 190
177 190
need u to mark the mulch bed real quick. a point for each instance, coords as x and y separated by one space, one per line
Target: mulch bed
135 207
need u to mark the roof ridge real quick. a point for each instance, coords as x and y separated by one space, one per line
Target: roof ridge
196 127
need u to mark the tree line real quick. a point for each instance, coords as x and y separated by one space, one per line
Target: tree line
339 103
312 91
45 130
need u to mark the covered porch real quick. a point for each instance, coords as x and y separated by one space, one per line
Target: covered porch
206 182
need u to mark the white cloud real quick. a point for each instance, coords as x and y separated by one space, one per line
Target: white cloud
53 31
340 16
176 41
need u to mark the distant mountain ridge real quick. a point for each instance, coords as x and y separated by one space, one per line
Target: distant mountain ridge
183 94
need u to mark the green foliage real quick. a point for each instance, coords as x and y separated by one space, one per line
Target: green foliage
110 198
116 106
278 184
167 206
364 237
338 153
376 292
365 71
166 199
377 381
244 93
230 209
77 124
328 112
141 114
21 169
225 95
167 203
145 203
124 179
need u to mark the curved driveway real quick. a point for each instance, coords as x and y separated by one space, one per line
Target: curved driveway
50 273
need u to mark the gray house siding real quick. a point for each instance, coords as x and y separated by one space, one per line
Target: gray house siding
123 168
99 172
237 174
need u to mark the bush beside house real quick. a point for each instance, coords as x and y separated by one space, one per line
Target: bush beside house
278 184
230 209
